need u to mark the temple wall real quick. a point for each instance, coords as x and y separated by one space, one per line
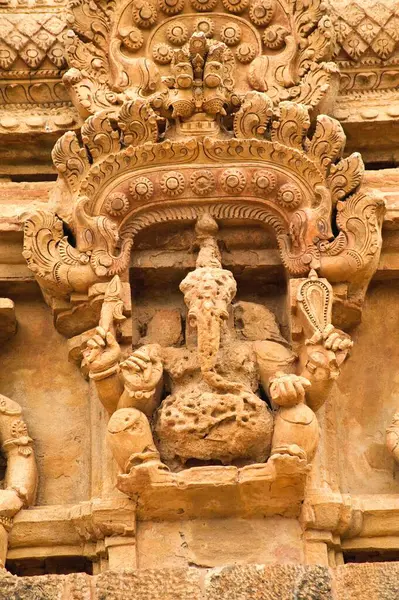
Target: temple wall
364 404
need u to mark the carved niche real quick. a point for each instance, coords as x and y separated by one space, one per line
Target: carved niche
205 114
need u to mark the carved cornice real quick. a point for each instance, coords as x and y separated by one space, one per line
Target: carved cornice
367 55
32 41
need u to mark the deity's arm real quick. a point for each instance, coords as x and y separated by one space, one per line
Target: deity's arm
272 358
278 366
317 367
109 390
142 374
320 362
101 359
132 383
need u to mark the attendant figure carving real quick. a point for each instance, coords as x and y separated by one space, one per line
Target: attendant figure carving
20 479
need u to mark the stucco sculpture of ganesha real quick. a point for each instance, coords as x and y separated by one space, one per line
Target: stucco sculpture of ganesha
212 411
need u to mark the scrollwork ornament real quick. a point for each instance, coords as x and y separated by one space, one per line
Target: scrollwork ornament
235 6
245 53
203 5
177 33
162 53
261 12
144 14
233 181
202 182
264 182
117 204
171 7
289 196
141 188
230 34
172 183
274 37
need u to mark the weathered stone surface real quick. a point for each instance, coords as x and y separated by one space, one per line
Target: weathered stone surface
276 582
170 584
379 581
253 582
218 542
49 587
8 320
165 328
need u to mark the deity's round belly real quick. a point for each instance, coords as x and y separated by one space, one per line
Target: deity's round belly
210 426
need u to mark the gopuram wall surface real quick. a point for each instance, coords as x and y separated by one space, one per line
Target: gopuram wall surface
199 291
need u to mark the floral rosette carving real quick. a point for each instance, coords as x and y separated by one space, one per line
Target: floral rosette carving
205 25
141 188
289 196
162 54
274 37
171 7
144 13
173 183
261 12
235 6
177 33
117 204
233 181
132 38
230 34
203 5
202 182
245 53
264 182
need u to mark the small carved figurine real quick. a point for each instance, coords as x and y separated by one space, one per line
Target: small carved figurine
201 82
392 439
21 474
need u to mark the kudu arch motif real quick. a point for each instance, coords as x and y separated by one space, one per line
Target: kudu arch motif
191 118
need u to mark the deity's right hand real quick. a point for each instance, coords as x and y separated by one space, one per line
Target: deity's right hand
288 389
102 352
143 369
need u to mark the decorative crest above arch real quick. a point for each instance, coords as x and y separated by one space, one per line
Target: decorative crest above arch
126 49
173 131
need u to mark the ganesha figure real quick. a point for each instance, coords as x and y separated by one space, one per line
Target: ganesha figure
212 412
